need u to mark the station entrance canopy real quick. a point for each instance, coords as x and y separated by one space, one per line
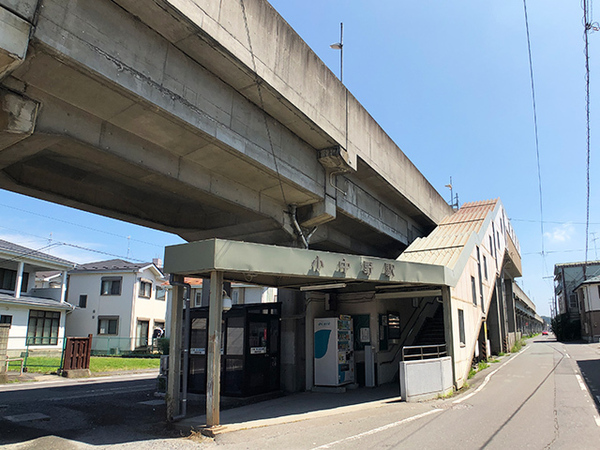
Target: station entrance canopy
285 267
280 267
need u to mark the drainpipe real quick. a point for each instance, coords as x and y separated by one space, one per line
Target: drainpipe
186 347
305 239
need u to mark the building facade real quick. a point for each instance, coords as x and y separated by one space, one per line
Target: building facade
120 303
36 317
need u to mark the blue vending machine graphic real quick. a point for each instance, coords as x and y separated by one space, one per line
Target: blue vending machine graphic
334 352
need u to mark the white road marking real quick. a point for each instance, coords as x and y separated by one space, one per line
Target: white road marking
487 379
597 419
27 417
567 355
377 430
580 381
153 402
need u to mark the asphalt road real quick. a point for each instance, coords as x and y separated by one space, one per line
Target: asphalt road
536 399
542 398
121 412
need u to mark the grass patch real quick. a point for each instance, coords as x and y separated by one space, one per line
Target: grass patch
518 346
472 373
482 365
44 365
501 354
107 364
493 361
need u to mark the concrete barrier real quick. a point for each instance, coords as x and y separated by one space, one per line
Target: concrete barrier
425 379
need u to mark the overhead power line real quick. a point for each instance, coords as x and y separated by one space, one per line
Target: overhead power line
535 126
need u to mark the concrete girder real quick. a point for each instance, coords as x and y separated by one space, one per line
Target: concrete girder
14 38
115 92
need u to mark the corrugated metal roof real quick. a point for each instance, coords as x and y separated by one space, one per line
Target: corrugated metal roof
446 243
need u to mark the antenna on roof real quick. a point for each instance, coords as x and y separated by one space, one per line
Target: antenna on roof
453 199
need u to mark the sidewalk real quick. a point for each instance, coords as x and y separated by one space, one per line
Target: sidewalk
38 381
310 405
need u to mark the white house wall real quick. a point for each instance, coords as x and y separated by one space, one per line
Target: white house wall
84 321
148 308
17 335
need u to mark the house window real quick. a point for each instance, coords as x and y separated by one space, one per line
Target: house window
8 280
83 301
160 293
485 274
491 246
198 300
142 333
474 290
108 325
42 328
461 327
145 289
111 286
6 319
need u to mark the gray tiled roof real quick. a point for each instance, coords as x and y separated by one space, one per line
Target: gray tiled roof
34 301
110 265
20 251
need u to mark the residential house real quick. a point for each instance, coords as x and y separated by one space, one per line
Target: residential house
567 277
122 304
588 295
36 316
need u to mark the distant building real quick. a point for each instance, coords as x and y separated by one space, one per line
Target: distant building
35 316
588 296
567 278
120 303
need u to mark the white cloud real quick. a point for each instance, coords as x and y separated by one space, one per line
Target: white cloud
560 234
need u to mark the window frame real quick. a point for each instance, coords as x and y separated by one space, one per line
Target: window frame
163 296
40 322
145 289
83 304
6 318
461 328
112 291
474 290
109 319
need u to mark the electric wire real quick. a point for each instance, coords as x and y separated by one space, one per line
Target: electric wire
261 101
79 247
587 26
79 225
535 125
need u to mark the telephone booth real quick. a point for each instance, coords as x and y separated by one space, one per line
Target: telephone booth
250 352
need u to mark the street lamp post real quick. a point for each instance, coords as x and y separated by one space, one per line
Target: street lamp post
340 46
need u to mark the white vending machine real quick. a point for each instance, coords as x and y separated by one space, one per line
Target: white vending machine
334 351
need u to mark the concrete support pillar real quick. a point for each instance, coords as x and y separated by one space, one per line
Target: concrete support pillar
63 287
510 305
19 281
309 332
292 340
213 354
495 324
449 327
176 329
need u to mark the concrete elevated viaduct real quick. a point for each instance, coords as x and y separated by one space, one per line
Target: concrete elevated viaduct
203 118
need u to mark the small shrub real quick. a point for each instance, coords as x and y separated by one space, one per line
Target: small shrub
472 373
482 365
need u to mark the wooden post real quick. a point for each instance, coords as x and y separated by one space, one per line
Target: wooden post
174 378
213 355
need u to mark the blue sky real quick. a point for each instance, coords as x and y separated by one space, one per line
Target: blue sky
449 82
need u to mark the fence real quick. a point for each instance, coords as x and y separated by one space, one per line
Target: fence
39 356
126 346
34 354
